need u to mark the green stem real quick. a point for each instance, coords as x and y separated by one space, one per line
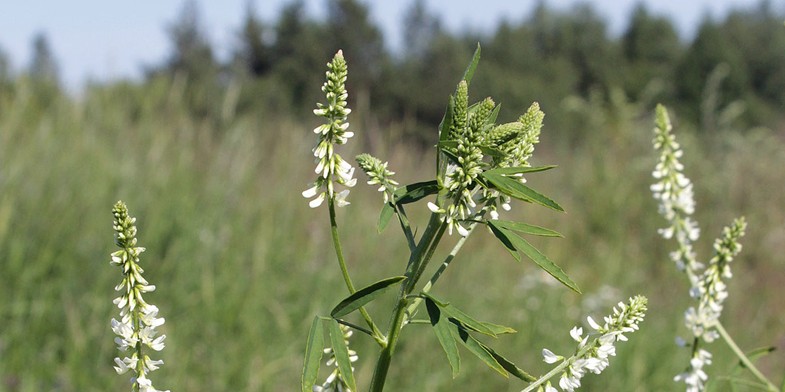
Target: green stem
440 271
385 356
743 358
425 260
377 335
417 258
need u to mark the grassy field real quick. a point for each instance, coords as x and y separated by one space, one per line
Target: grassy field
242 264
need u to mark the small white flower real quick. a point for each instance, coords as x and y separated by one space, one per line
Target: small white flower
549 357
317 201
125 364
593 323
576 333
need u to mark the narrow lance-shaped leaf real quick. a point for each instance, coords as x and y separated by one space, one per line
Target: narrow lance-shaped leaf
509 366
384 217
468 321
414 192
507 171
516 189
469 73
525 228
499 329
505 240
341 354
755 354
363 296
494 114
313 355
444 133
475 347
540 259
492 152
441 327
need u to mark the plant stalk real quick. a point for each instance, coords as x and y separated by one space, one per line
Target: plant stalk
418 257
743 358
377 335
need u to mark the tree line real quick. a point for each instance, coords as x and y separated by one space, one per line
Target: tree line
553 54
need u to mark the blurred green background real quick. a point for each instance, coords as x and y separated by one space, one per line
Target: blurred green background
211 158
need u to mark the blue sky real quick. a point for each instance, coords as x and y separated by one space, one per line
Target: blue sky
101 40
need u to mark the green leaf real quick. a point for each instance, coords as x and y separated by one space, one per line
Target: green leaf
499 329
492 152
514 188
478 349
457 314
313 355
540 259
469 73
341 354
506 171
759 352
363 296
448 144
494 114
505 240
414 192
524 228
449 147
754 354
446 123
384 217
510 367
441 327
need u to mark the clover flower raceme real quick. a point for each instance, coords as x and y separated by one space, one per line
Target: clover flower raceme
593 355
712 289
516 143
378 174
713 292
136 329
674 193
466 164
335 381
694 376
330 167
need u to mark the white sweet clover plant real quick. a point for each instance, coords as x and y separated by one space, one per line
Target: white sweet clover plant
136 330
481 167
674 193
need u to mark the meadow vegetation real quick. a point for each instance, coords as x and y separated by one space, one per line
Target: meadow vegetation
242 264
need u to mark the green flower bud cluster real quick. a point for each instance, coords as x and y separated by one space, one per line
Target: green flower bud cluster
379 174
472 135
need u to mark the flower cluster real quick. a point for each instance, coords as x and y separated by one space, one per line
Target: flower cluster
467 163
594 356
330 167
335 381
694 377
712 290
378 174
138 319
674 193
476 144
516 142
